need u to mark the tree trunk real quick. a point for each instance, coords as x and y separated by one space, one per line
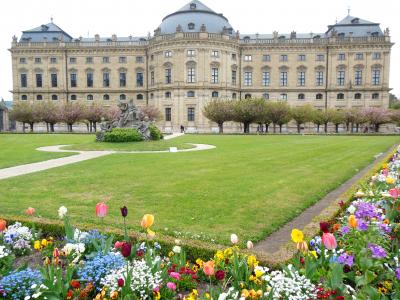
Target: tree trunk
337 128
95 126
274 127
377 127
69 127
220 127
317 128
47 127
352 128
357 127
280 128
298 127
51 127
31 125
347 126
90 126
23 127
266 127
325 127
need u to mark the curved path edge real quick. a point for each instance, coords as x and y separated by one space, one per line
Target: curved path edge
280 238
80 156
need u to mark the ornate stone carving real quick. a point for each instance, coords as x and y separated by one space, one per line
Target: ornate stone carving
203 28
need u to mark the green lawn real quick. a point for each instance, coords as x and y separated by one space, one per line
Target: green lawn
249 185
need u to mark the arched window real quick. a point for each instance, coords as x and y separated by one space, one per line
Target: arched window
89 97
300 97
247 96
167 94
139 97
54 97
214 94
73 97
340 96
106 97
233 95
357 96
319 96
24 97
39 97
191 26
375 96
266 96
283 96
122 97
190 94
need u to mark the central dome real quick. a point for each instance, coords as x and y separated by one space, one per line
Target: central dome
192 17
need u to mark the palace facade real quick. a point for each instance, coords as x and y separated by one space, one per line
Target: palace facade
194 56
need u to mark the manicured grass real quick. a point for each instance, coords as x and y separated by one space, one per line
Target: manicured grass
249 185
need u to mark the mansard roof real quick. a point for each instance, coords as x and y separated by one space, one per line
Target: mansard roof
356 27
47 32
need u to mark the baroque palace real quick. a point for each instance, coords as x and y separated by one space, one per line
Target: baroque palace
194 56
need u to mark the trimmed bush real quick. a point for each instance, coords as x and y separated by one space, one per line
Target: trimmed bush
155 133
122 135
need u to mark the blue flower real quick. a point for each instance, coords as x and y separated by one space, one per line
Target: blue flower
18 285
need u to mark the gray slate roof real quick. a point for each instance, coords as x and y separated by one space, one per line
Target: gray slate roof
50 32
358 27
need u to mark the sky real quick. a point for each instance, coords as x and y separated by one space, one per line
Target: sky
138 18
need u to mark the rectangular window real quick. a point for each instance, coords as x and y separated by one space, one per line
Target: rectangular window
283 79
89 60
359 56
266 57
53 80
168 53
248 78
72 60
122 79
191 75
152 78
39 82
89 79
265 79
376 55
302 57
190 111
247 58
320 57
340 78
283 96
139 59
284 57
191 53
214 75
319 78
233 56
358 77
234 77
301 78
22 60
139 79
74 80
24 80
168 114
38 60
168 76
214 53
122 59
53 60
106 60
106 79
376 77
341 56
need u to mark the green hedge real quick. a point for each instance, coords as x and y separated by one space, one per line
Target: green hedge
121 135
155 133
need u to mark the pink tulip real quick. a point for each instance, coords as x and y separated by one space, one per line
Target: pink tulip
385 172
171 286
118 244
175 275
250 245
329 240
101 209
394 193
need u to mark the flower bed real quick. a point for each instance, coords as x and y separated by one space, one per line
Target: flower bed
354 257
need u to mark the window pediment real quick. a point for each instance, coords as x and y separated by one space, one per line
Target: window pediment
167 64
359 66
38 70
266 68
283 68
341 67
376 66
320 68
301 68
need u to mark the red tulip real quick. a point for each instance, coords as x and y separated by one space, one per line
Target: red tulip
329 240
324 226
126 249
220 275
3 225
101 209
121 282
30 211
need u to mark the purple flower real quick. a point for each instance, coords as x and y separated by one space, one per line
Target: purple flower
385 228
362 225
398 273
366 211
377 251
346 259
345 230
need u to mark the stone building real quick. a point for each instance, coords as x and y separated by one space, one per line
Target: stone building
195 55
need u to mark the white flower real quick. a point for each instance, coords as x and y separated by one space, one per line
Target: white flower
234 238
27 298
62 211
250 245
176 249
351 209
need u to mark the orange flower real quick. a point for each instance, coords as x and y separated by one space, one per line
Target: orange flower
208 268
352 221
386 221
3 225
336 227
30 211
147 221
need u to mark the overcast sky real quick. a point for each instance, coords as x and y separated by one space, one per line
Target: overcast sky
126 17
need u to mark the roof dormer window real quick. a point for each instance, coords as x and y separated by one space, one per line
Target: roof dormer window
191 26
44 27
192 5
355 21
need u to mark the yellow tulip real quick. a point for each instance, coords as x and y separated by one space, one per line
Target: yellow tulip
44 243
36 245
389 180
147 221
297 236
